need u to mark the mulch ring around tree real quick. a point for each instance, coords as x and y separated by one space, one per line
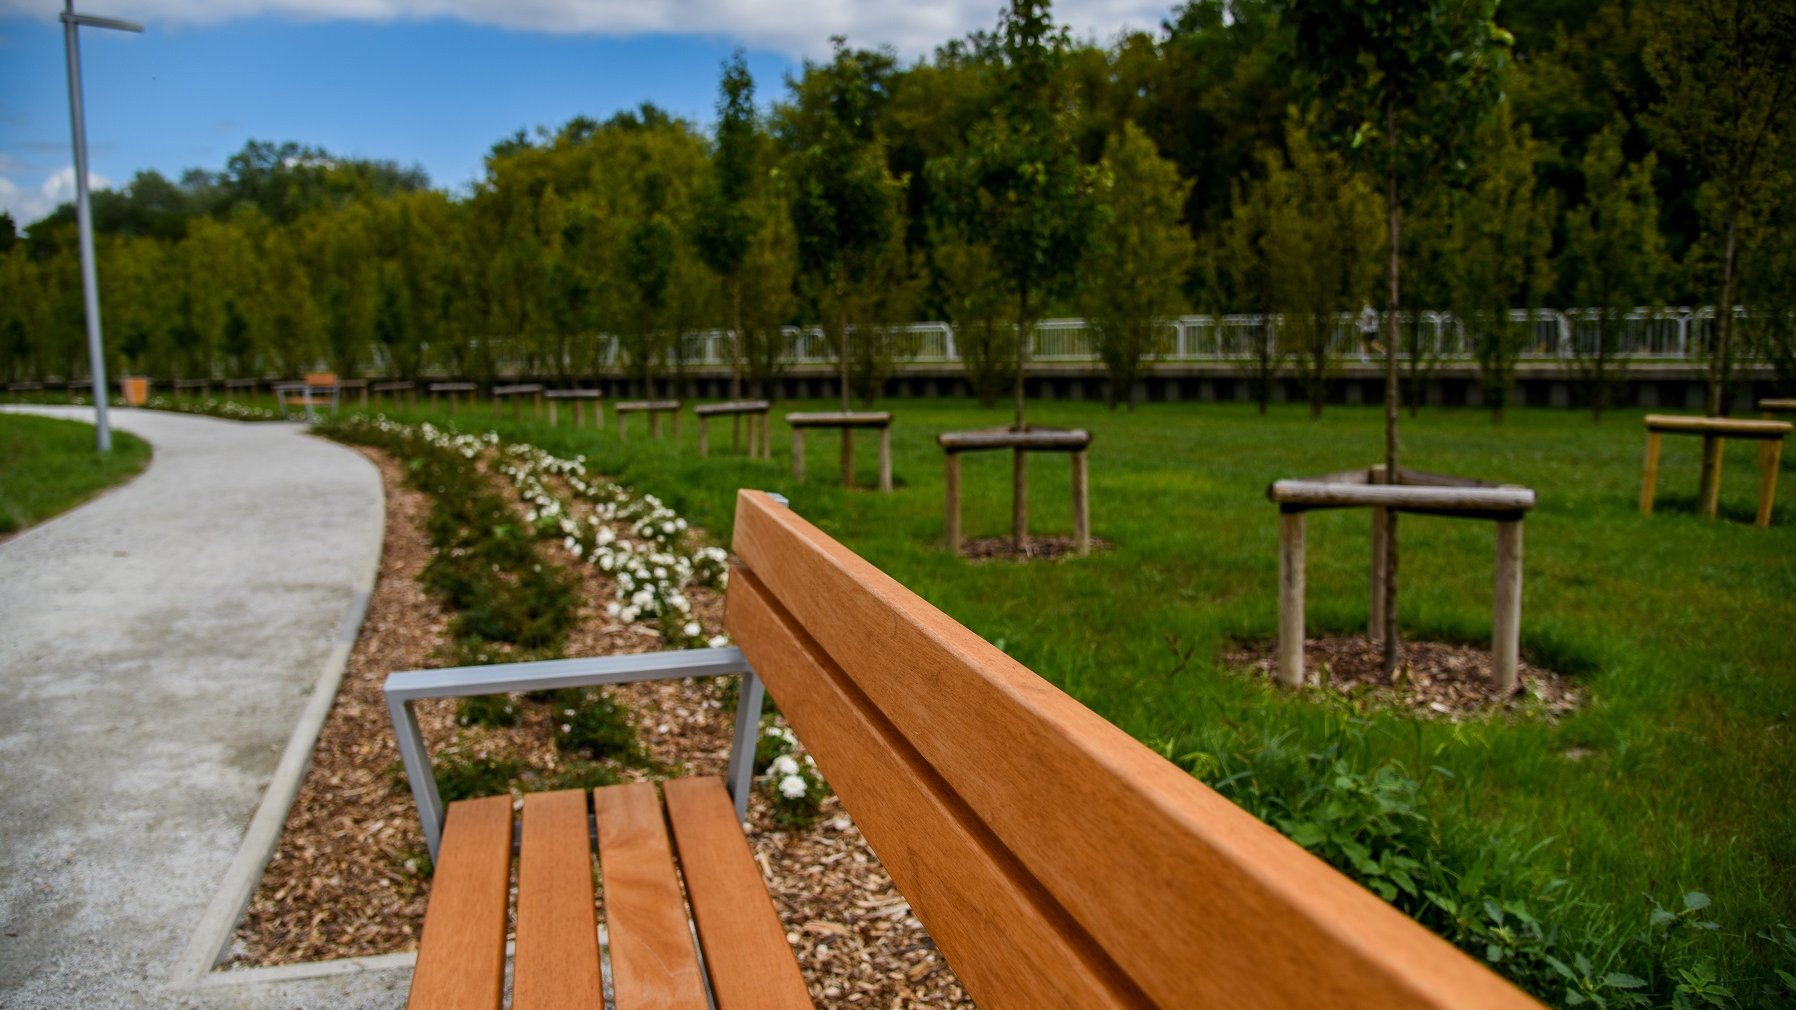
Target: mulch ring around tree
1036 549
1433 680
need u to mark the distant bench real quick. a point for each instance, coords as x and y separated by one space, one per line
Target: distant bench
654 409
759 442
1719 429
847 421
1056 862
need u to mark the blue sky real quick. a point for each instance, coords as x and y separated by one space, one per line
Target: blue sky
427 82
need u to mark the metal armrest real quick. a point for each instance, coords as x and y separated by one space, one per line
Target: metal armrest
404 689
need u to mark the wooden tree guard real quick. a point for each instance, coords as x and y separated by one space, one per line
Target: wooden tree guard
847 421
233 386
1417 492
407 391
454 390
578 397
1020 443
516 393
357 385
759 444
1719 429
181 385
654 409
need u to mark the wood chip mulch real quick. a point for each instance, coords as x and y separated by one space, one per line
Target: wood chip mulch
1034 549
1432 680
349 876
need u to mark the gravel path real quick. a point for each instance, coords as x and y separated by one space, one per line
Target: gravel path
158 646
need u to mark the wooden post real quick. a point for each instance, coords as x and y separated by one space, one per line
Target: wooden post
798 455
552 414
885 459
1765 446
766 437
654 424
735 432
364 396
1290 599
454 403
433 399
1019 506
1649 478
1711 505
704 437
623 426
954 502
1081 506
847 457
536 406
1375 622
1506 610
1768 483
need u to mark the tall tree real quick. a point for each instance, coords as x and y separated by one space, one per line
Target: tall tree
1405 81
1019 185
1135 269
1726 70
970 286
1616 255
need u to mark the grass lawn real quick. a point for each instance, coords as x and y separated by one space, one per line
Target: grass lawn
1679 775
48 465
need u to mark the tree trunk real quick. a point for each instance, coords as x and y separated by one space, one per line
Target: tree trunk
735 336
1025 327
1721 360
1394 225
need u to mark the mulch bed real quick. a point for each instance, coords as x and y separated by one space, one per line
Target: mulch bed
349 878
1432 679
1035 549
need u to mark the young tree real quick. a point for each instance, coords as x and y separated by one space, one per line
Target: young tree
1726 70
1404 81
971 288
1241 279
1321 244
1135 270
726 224
1616 254
1019 185
1499 242
765 296
647 265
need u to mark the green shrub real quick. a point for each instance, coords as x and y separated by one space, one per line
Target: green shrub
488 710
589 721
466 778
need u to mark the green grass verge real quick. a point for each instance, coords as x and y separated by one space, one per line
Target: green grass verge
48 466
1678 776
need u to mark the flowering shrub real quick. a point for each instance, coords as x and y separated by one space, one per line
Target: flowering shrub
649 561
790 778
211 407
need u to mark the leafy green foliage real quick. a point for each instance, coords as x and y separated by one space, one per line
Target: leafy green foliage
590 722
461 778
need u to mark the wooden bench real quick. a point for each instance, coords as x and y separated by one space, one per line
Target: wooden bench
1056 862
760 443
847 420
578 397
654 409
317 389
1720 429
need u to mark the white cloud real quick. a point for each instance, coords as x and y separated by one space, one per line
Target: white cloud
28 205
795 27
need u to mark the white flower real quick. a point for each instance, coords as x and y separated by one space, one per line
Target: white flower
773 731
613 607
565 728
784 765
692 629
792 787
718 641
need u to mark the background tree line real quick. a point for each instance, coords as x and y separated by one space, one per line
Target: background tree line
1016 174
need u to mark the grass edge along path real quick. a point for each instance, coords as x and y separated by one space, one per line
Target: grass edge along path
48 465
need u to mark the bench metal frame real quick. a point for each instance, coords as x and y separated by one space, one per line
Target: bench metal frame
404 690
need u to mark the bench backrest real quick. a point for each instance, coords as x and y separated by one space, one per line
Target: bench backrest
321 380
1056 861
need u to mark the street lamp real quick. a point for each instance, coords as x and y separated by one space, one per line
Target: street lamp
90 284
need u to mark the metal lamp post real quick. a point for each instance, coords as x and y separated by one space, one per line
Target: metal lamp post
90 284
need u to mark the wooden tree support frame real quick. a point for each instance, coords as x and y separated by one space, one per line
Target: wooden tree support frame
454 391
578 397
654 409
357 386
406 391
1420 493
847 421
1720 429
1020 444
245 386
180 385
1769 409
516 393
760 443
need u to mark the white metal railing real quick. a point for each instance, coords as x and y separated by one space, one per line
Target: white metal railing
1543 335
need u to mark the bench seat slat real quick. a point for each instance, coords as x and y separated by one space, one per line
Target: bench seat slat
965 886
1198 902
461 957
750 963
654 965
556 966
